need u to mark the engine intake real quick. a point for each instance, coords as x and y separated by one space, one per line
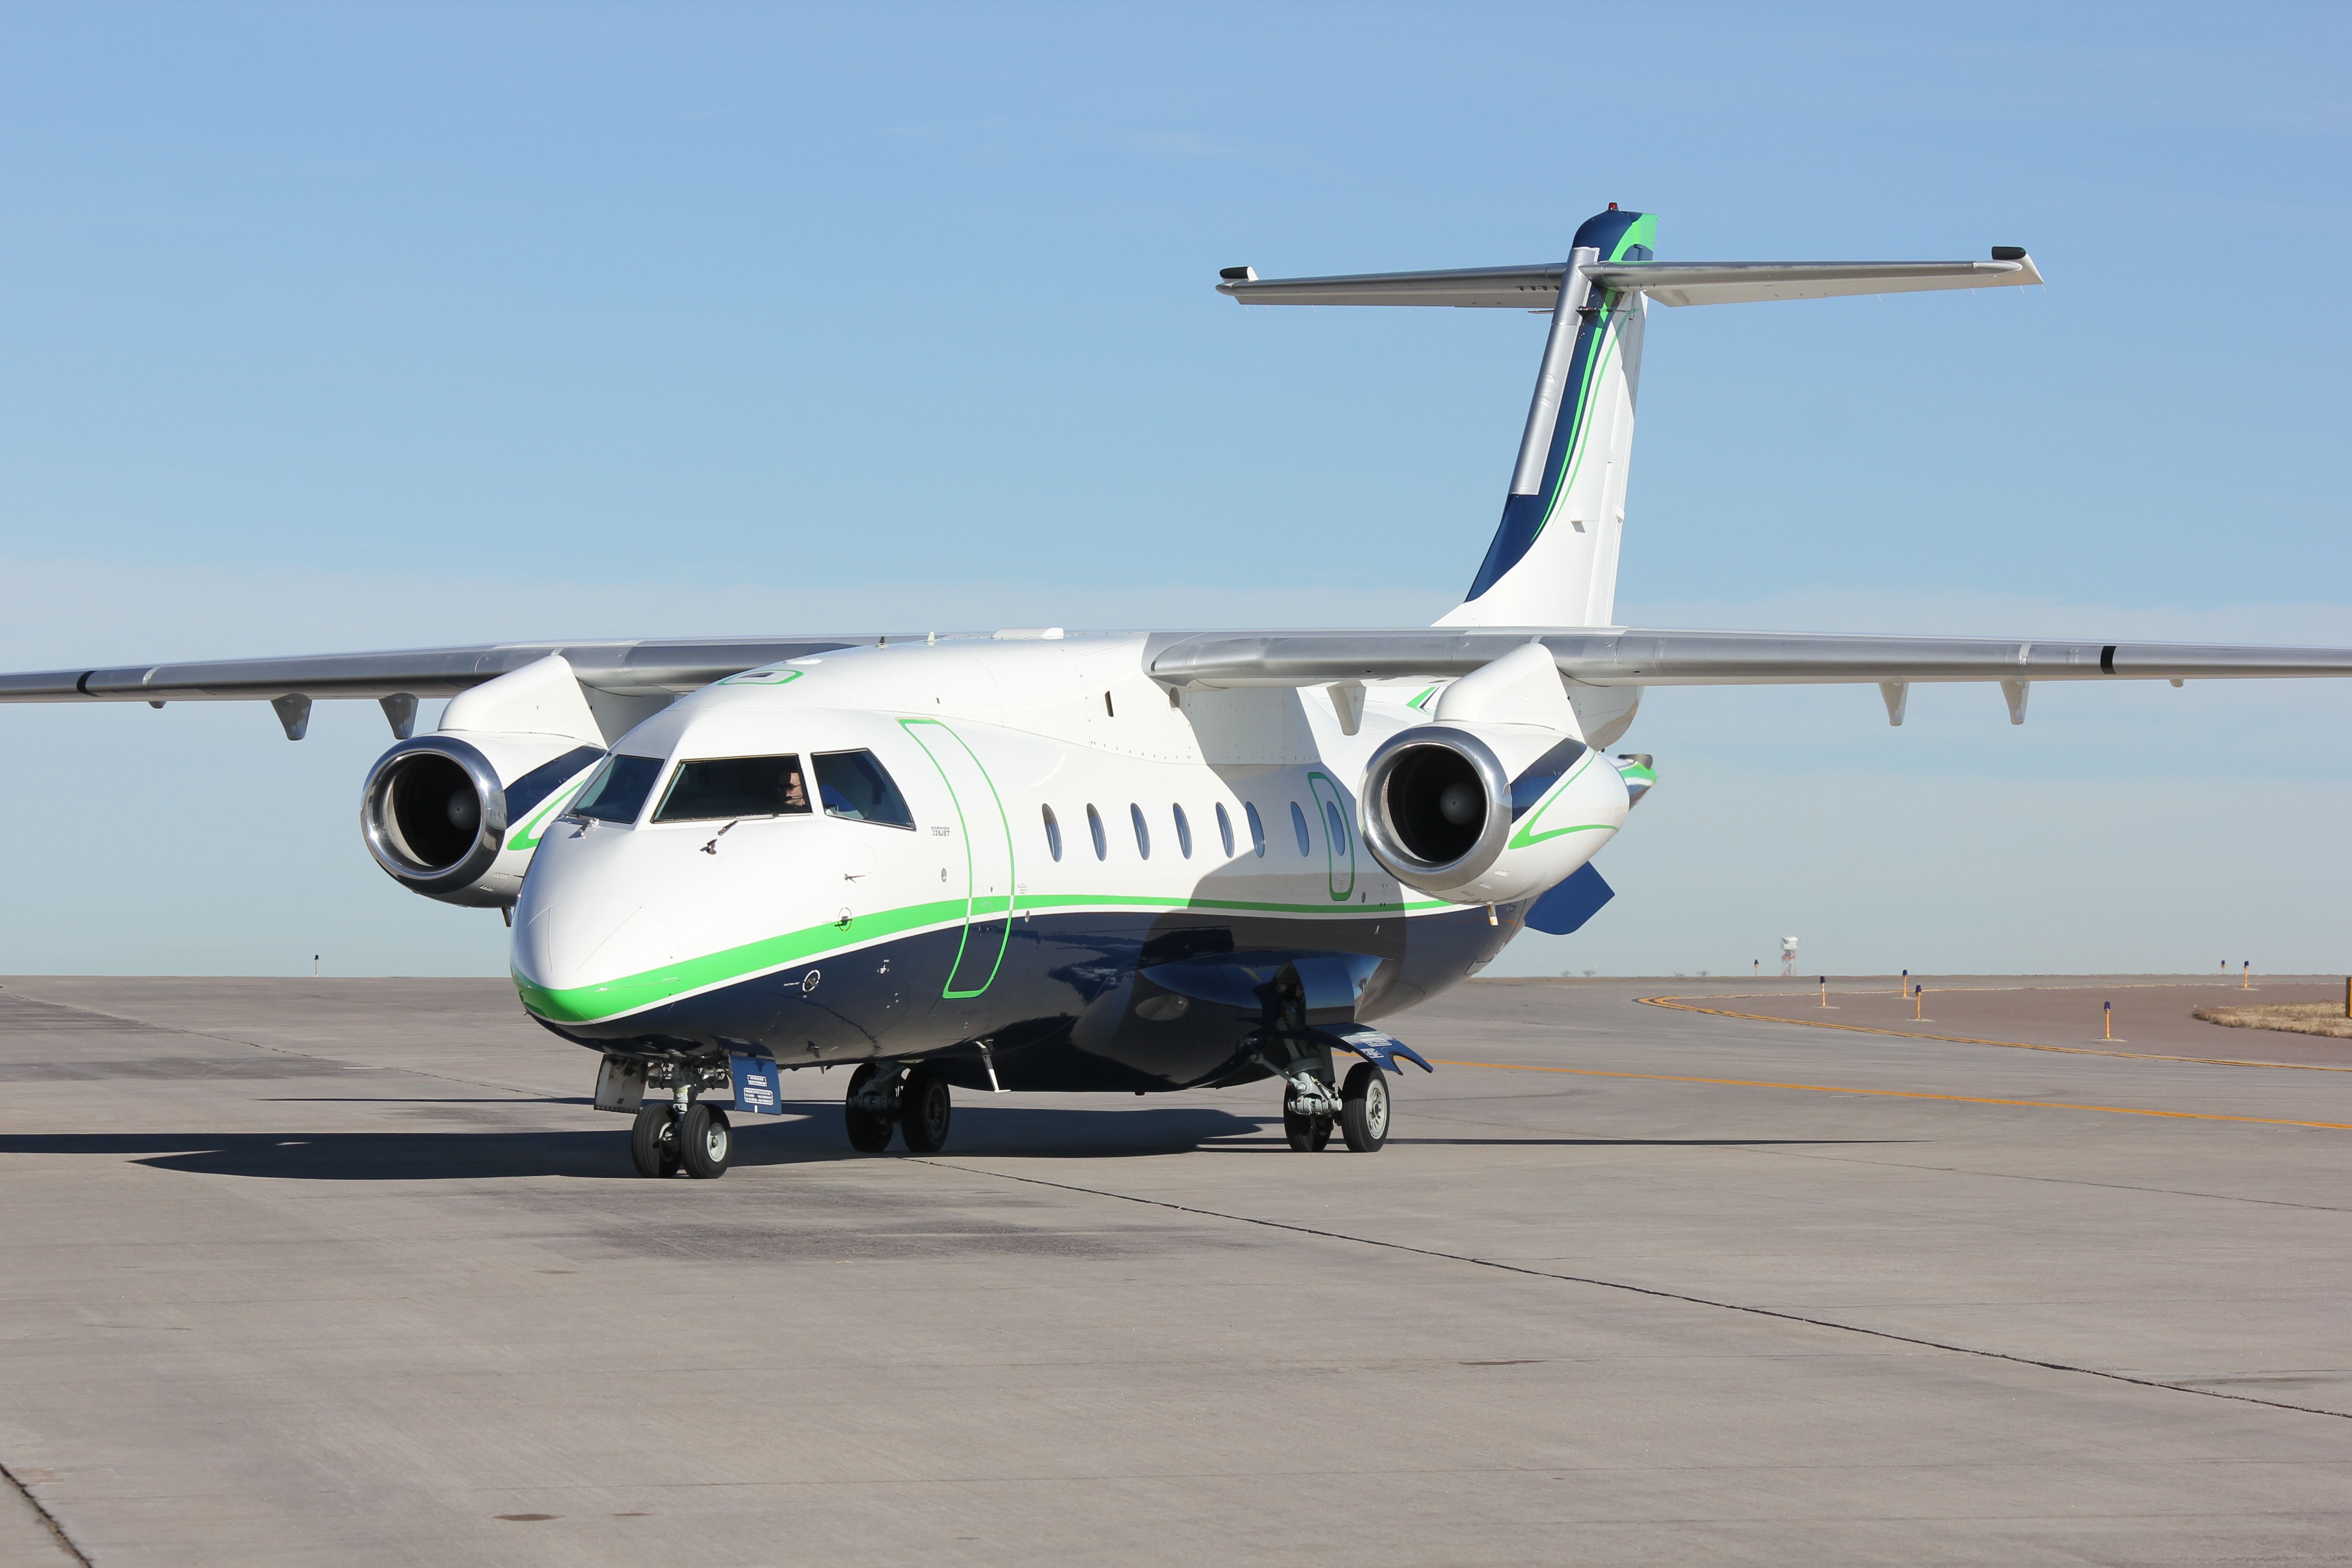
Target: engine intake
1435 805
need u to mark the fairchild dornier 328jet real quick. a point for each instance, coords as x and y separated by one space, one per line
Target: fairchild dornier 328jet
1111 861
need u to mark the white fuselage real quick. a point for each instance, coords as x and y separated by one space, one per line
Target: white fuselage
1059 799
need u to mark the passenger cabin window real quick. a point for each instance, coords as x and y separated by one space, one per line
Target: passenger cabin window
1226 829
1052 833
712 789
856 786
1142 834
1299 826
1094 827
1184 832
1332 820
618 794
1257 829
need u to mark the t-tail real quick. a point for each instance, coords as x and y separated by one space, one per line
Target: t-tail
1553 561
1554 558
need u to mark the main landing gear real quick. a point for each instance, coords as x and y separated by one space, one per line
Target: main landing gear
884 1096
1360 1109
681 1133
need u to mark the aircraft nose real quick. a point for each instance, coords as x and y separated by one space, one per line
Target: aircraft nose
577 939
561 934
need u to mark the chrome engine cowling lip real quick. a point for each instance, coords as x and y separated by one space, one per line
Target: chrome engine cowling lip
1379 830
384 843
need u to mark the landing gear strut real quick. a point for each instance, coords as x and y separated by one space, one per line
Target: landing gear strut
1308 1109
1360 1109
1308 1131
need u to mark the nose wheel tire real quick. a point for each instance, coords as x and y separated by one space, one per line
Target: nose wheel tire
653 1142
1308 1133
923 1110
869 1130
705 1142
1364 1109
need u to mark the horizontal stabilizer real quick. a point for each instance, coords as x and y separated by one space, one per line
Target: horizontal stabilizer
1536 287
1745 282
1624 657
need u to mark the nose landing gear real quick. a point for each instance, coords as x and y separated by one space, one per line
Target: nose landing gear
681 1134
653 1142
705 1142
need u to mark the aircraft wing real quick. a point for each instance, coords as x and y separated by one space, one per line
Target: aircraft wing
634 668
1617 655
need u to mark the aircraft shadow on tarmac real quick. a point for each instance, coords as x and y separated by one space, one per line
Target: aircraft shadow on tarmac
806 1133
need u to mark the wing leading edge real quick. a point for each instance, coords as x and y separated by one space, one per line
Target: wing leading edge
1630 657
628 668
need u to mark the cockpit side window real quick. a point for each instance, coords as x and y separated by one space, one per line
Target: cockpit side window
712 789
618 792
856 786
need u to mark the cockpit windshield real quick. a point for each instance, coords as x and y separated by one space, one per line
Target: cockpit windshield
713 788
618 792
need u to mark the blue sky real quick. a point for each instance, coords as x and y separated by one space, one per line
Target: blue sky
326 327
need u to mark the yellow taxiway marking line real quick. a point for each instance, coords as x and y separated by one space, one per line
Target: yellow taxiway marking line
1901 1094
1680 1005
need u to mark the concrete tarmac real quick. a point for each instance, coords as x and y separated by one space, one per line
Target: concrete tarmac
349 1272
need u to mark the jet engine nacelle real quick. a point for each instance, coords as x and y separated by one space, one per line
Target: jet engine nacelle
453 817
1487 813
457 815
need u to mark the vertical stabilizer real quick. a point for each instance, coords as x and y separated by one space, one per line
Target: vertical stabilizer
1553 562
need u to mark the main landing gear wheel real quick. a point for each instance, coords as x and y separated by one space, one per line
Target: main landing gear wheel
923 1110
705 1141
869 1130
1364 1109
653 1142
1308 1133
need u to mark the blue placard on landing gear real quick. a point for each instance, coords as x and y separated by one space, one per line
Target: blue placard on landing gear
756 1087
